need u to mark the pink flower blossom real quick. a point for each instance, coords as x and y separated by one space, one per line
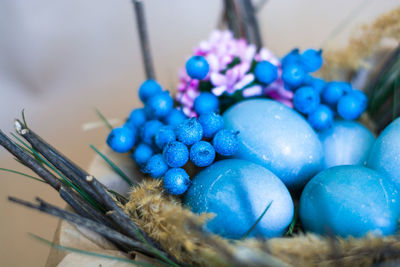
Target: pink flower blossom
220 50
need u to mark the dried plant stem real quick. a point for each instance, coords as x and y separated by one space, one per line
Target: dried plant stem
253 23
144 39
69 170
101 229
120 217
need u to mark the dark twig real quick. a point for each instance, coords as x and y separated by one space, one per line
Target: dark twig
73 173
101 229
253 23
72 199
29 161
120 217
144 39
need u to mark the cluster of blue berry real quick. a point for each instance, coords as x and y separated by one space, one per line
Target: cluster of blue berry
315 98
163 139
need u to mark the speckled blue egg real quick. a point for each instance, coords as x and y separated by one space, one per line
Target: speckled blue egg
346 143
385 153
278 138
238 192
350 201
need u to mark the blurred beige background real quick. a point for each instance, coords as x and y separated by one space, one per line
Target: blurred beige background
61 59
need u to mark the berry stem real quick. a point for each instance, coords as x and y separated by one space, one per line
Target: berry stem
144 39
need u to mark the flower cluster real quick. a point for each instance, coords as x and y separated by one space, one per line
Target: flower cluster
231 64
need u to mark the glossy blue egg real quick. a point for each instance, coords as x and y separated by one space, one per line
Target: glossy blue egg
346 143
276 137
238 192
385 153
350 201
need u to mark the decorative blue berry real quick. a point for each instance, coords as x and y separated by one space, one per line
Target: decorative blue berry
350 106
321 118
266 72
312 60
334 91
148 89
175 117
142 154
189 131
156 166
362 98
121 139
176 154
226 142
137 117
159 105
317 83
176 181
149 130
293 75
164 135
291 57
206 103
211 123
306 99
202 154
197 67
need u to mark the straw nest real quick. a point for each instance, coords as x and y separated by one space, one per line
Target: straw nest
179 231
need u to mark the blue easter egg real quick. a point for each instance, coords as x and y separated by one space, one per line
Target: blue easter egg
346 143
238 192
385 153
278 138
350 201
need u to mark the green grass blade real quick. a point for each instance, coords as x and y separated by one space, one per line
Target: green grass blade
23 174
396 98
23 118
103 118
91 253
113 166
293 223
118 195
258 220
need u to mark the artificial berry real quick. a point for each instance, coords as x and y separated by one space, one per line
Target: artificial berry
206 103
226 142
156 166
137 117
176 154
121 139
306 99
164 135
362 98
149 130
148 89
312 59
321 118
333 91
291 57
266 72
176 181
142 154
175 117
317 83
202 154
211 123
159 105
350 107
189 131
293 75
197 67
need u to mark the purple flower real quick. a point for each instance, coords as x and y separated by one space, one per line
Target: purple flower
220 50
